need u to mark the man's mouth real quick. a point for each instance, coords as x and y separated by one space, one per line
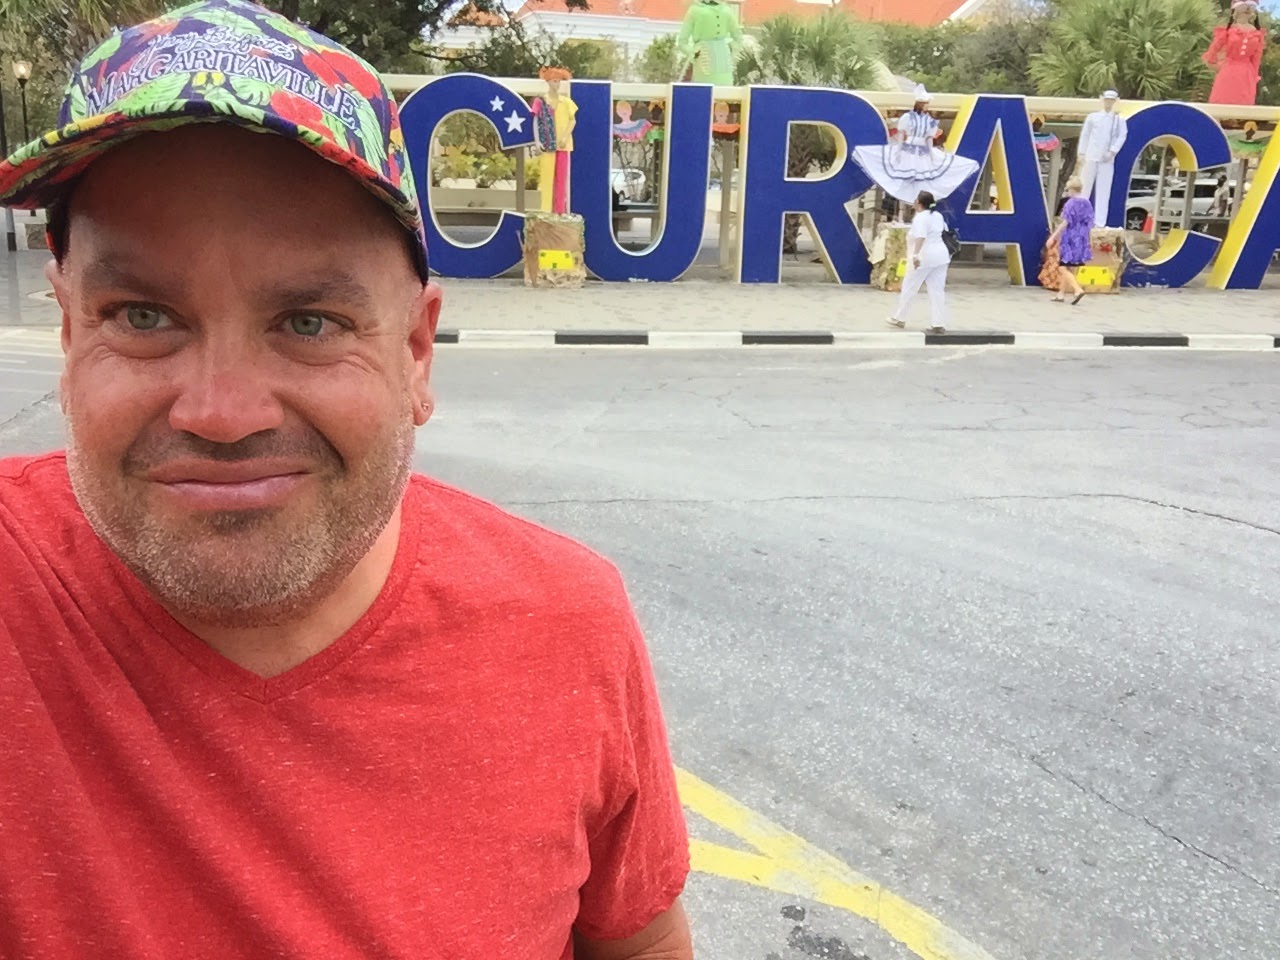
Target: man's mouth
211 485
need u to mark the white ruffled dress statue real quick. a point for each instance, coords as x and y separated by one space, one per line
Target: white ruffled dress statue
912 160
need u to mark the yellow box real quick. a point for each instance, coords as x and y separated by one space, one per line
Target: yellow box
902 269
555 260
1096 277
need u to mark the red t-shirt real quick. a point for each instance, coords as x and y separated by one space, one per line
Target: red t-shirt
476 767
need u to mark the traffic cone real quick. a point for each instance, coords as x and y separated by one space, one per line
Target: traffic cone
1149 224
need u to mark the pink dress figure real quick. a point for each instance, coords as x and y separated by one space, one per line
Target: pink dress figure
1236 53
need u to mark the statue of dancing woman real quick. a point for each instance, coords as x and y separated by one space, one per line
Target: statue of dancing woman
912 161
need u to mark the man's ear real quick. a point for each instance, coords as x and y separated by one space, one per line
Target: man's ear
424 316
57 279
53 272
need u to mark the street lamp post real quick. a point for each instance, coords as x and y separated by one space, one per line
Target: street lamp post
22 71
11 232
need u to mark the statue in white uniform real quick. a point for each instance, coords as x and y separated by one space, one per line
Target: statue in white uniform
1101 138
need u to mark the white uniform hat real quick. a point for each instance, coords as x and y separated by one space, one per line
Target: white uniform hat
1110 95
1236 4
922 95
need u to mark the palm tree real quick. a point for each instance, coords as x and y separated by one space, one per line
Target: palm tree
1145 49
69 28
54 35
831 50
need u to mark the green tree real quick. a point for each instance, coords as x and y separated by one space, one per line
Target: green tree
1145 49
832 50
991 55
53 35
67 29
994 55
508 50
1269 85
593 59
659 62
923 54
387 33
512 49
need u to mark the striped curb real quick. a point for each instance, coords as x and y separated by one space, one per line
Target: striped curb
714 339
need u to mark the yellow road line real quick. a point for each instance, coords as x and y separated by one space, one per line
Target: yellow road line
785 863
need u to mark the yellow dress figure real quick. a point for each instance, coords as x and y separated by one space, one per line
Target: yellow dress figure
554 120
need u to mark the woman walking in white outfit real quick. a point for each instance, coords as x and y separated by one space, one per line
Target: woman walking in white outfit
929 258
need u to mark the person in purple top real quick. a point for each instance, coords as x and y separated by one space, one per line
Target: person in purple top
1070 241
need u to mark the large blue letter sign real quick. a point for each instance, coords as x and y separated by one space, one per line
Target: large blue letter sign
767 194
1254 235
1197 143
1000 126
684 190
422 112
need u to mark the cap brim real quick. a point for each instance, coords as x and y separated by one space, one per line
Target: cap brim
45 170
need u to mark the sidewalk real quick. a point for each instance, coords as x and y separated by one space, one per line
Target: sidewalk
979 296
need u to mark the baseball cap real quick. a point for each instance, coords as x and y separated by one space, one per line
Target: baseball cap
227 61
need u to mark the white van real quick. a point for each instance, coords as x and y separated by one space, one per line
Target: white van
1142 200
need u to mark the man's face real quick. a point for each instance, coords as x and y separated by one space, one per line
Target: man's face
1108 104
247 353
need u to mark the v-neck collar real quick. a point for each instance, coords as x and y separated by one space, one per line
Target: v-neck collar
235 679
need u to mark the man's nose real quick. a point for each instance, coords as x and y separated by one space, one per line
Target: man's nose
225 391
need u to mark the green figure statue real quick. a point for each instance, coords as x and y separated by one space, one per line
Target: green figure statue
709 38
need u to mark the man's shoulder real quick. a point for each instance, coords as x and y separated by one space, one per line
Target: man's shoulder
39 515
492 538
13 468
533 593
34 480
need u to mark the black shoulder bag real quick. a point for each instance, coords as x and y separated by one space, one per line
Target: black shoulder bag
951 240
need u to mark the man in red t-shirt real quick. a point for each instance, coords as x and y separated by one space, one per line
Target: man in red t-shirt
262 692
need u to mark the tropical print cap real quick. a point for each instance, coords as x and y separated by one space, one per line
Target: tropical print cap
228 61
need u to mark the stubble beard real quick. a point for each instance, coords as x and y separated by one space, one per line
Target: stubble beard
254 568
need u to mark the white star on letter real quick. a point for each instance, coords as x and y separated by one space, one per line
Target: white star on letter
496 104
515 123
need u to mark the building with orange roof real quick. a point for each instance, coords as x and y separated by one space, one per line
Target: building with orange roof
921 13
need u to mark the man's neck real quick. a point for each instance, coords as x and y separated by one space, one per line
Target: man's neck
273 649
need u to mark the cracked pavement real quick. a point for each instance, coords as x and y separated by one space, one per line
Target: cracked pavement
997 629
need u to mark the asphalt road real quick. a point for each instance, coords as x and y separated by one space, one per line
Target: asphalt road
997 629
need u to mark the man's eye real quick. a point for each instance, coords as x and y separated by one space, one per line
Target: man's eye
145 318
307 324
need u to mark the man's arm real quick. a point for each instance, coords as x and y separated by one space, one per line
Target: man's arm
1082 146
666 938
1121 135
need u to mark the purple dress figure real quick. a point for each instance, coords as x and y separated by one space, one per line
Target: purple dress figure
1075 250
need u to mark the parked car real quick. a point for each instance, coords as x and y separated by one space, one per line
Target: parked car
1143 185
1142 200
628 182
